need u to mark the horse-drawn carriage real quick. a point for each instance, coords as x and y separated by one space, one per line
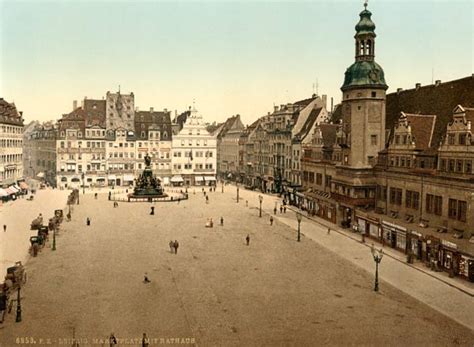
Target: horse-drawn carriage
16 276
37 222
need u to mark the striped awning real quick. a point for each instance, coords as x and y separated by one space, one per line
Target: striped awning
209 178
199 178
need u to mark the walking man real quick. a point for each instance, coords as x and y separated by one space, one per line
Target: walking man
152 211
222 221
4 228
275 210
284 209
112 340
247 239
281 209
88 221
271 220
145 341
329 231
246 203
171 244
176 245
146 280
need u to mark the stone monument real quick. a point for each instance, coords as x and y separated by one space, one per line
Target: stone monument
147 185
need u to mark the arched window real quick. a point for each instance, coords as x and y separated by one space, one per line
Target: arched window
369 47
361 48
165 135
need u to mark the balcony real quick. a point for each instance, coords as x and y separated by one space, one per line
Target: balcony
353 201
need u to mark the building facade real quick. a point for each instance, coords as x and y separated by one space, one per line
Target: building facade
228 148
194 153
11 143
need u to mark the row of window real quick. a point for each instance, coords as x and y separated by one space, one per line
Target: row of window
9 143
190 154
457 209
190 166
9 129
462 139
455 165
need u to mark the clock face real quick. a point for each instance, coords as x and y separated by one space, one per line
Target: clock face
374 76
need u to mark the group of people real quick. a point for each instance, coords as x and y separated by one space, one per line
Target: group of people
174 245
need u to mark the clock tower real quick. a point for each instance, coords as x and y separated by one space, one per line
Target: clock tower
363 103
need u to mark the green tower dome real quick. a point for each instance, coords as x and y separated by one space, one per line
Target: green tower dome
364 74
365 25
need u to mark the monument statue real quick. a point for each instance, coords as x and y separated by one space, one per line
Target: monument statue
147 185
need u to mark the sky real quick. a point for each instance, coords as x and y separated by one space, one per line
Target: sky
231 57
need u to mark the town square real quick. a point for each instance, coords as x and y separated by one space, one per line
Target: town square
247 173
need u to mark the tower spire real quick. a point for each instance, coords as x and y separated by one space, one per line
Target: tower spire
366 3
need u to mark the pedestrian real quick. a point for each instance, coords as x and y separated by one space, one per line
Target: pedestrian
207 199
68 216
176 245
4 228
152 211
222 221
281 209
271 220
275 210
110 195
329 231
145 341
171 244
146 280
284 209
179 200
95 196
246 203
112 340
247 239
88 221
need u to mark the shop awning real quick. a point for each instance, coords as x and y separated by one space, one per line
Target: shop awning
75 179
166 180
40 175
100 179
128 177
23 185
209 178
199 178
112 177
10 190
177 179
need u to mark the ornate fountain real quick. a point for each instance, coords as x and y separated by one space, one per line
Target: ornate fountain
147 185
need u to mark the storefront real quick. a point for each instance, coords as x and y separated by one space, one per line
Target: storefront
449 256
466 267
394 235
431 249
199 181
321 208
369 226
177 180
210 180
128 179
415 244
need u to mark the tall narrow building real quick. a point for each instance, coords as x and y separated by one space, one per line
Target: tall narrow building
363 124
120 111
363 103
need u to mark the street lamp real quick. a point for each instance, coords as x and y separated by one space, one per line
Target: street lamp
18 306
298 218
83 184
378 255
54 238
260 198
237 193
222 186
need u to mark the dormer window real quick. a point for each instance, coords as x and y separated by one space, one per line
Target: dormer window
462 139
451 139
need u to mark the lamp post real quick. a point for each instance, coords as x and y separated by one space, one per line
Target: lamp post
378 255
298 218
18 306
260 198
222 186
237 193
83 183
54 238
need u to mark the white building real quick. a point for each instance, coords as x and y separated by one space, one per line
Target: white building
11 143
194 153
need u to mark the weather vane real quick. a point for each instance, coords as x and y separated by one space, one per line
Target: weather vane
366 3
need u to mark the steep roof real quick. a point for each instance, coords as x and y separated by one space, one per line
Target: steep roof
440 99
9 114
309 122
422 128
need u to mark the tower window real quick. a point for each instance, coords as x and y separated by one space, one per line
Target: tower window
373 140
374 94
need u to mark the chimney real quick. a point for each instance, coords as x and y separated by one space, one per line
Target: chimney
176 113
275 108
417 86
399 90
268 113
325 101
332 104
437 82
165 110
151 109
74 105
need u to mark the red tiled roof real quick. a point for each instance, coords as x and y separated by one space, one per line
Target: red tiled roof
422 128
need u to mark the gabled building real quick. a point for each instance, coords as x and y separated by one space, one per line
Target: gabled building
194 153
228 138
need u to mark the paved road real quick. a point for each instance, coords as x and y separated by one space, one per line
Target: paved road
442 297
17 215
